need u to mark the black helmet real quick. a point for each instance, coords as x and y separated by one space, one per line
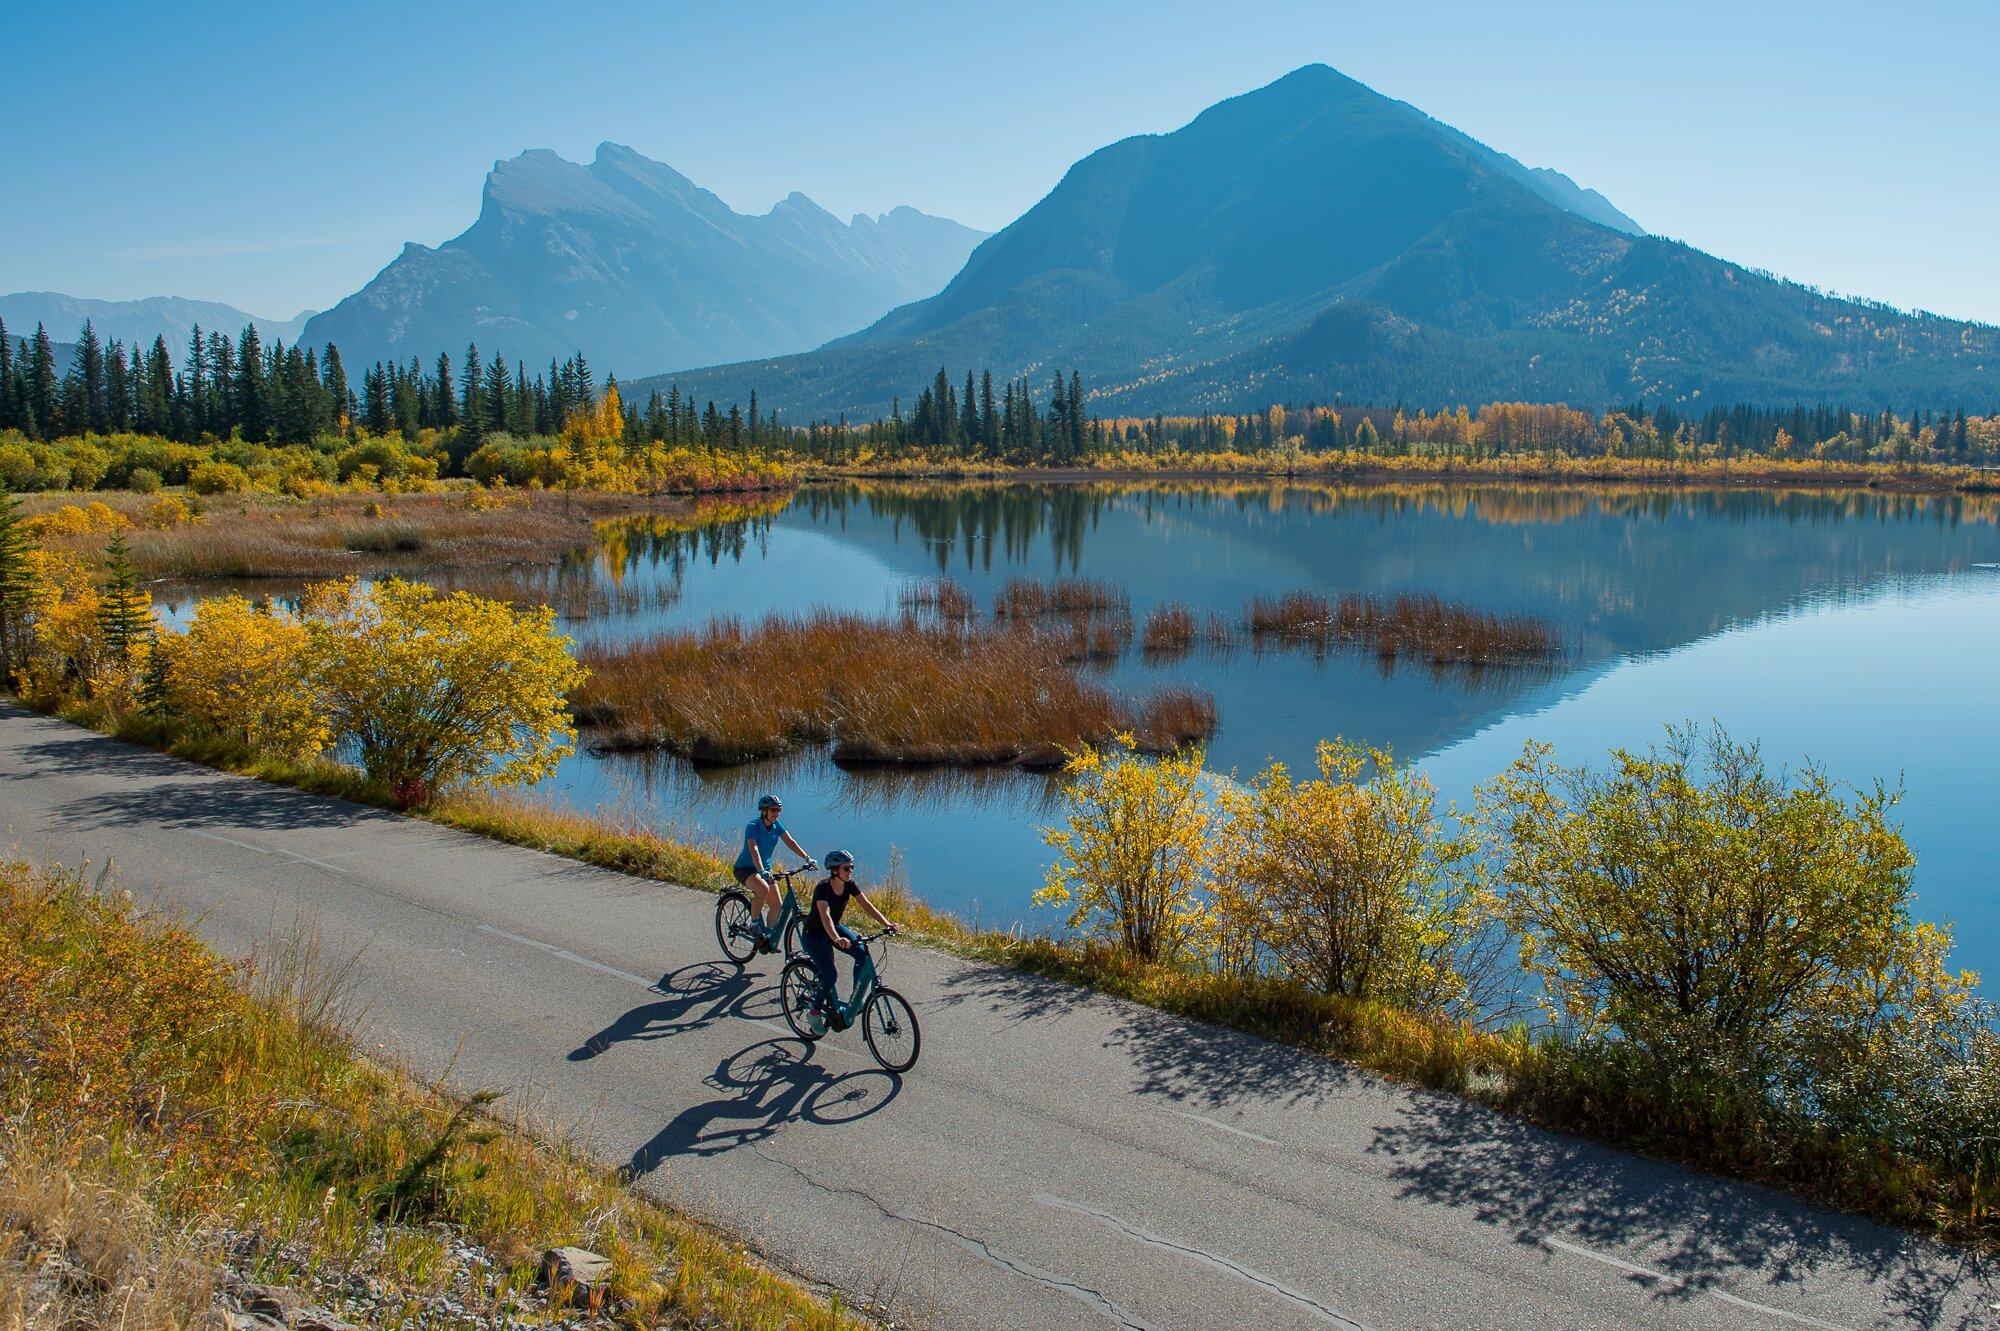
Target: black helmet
769 802
838 859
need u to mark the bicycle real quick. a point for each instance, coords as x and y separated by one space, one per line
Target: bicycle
734 916
888 1022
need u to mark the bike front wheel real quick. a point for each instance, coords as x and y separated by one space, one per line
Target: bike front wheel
798 988
732 927
890 1024
792 945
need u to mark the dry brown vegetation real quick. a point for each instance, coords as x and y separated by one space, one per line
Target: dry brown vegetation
572 593
892 691
1410 627
174 1122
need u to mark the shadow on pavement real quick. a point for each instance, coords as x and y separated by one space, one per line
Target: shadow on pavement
1693 1227
764 1087
692 997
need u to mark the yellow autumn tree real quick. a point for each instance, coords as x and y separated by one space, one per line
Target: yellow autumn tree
237 671
1718 916
1133 851
432 691
1361 886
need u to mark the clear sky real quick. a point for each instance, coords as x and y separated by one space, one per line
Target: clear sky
277 156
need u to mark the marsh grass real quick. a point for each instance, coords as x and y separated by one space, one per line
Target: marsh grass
1421 628
904 690
157 1095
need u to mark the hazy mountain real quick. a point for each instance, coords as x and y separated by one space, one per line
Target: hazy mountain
639 268
138 322
1313 239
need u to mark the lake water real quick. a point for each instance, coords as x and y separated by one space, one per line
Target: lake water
1858 630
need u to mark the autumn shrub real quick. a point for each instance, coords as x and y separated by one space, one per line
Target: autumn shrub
240 671
143 481
1359 885
213 478
1134 852
431 691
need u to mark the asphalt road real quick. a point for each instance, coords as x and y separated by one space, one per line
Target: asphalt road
1056 1159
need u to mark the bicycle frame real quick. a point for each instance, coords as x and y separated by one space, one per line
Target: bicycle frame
864 985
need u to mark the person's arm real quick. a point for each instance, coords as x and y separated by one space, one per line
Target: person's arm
827 927
797 849
880 918
756 856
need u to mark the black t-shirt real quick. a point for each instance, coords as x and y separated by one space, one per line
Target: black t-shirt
836 903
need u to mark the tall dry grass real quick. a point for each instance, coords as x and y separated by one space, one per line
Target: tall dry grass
889 691
168 1114
1422 628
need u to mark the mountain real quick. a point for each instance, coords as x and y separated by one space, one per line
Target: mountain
637 267
1314 239
138 322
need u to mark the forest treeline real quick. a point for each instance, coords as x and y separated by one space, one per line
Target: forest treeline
220 391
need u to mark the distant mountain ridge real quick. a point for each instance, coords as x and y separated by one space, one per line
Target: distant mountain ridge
138 322
1313 239
634 265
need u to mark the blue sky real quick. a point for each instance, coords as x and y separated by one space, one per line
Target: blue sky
276 157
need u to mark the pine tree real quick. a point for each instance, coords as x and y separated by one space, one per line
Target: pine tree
124 616
17 581
252 394
7 399
42 386
968 417
471 416
444 396
989 420
333 374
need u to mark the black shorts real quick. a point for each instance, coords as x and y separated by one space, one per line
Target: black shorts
743 873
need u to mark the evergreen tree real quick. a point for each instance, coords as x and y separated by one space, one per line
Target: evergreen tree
42 385
8 400
333 375
989 420
498 389
471 415
93 411
124 620
252 396
969 430
444 396
17 583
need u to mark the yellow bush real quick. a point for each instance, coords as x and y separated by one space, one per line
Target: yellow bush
76 520
1134 854
168 511
211 478
238 671
434 691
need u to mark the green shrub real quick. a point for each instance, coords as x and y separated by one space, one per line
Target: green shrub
143 480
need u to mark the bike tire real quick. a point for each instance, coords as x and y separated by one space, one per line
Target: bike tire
890 1025
792 945
733 914
798 985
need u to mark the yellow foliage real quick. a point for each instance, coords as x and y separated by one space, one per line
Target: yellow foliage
601 424
1356 886
168 511
76 520
238 671
1134 850
434 691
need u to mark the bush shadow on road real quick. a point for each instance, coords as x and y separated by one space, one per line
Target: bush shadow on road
1696 1229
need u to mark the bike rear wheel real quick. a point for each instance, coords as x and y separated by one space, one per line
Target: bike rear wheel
890 1025
732 927
798 987
792 945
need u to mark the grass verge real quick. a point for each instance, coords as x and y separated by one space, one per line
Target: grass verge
176 1125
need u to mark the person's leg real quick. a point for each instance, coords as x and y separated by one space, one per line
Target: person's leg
765 898
855 951
819 950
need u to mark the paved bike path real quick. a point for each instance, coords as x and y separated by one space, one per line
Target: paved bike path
1056 1158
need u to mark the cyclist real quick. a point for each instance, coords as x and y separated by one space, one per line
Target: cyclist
760 837
824 932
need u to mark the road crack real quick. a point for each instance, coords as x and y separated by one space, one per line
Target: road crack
980 1249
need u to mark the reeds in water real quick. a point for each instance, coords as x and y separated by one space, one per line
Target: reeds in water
1409 627
1070 598
888 691
939 597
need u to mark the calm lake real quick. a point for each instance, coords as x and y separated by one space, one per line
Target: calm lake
1857 630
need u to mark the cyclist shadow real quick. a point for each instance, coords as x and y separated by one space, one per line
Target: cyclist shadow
765 1086
690 998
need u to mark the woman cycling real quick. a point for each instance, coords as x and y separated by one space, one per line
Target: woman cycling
824 932
760 838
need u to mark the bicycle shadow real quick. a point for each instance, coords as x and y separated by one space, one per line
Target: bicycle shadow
766 1086
692 997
